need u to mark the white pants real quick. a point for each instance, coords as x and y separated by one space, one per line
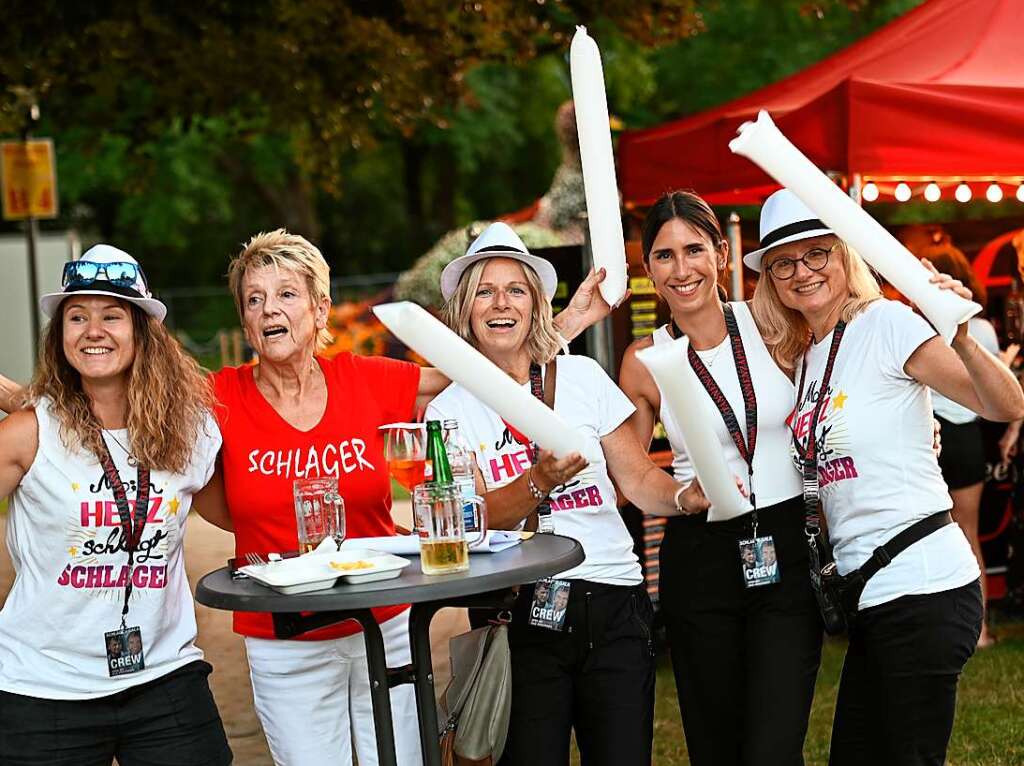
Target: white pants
313 698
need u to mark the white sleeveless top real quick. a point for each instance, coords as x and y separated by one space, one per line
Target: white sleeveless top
65 542
775 478
584 508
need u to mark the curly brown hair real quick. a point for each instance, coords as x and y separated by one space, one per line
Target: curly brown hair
169 397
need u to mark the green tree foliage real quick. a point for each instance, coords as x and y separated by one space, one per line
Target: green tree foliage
371 126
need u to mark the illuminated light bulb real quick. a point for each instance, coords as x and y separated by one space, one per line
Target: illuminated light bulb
870 192
962 193
1020 192
932 192
994 192
902 192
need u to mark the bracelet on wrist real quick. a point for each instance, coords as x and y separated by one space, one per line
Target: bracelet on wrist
536 492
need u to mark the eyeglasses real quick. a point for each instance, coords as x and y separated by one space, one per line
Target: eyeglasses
84 273
814 259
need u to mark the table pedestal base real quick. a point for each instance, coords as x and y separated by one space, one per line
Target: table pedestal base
420 672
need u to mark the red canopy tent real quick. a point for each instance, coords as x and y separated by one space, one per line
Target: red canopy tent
937 94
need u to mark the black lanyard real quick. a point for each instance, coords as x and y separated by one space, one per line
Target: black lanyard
744 446
131 524
809 454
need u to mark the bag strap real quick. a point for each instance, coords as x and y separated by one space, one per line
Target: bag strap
549 383
547 395
885 553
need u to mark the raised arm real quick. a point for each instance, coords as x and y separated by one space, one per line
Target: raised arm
966 372
11 394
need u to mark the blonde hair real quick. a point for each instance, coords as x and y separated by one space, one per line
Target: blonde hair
289 252
169 397
785 331
542 340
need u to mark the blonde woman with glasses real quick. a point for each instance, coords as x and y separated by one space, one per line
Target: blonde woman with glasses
862 430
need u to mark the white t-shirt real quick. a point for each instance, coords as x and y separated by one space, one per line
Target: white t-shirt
774 477
584 508
65 541
876 468
983 332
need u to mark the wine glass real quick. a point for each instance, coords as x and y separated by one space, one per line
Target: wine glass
405 449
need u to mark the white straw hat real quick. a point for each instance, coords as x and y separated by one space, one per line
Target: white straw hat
784 219
498 240
136 292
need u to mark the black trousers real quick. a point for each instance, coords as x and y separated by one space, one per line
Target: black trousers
172 721
897 695
745 659
597 677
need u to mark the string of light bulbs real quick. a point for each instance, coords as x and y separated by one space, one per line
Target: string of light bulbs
932 192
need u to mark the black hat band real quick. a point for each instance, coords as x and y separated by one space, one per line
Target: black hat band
107 287
790 229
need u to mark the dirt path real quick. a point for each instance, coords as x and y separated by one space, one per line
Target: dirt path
208 548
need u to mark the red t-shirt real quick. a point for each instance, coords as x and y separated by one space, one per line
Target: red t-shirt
263 454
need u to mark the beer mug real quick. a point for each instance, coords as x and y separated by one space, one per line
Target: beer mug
441 525
319 511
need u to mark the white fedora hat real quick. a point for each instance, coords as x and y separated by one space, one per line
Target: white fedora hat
784 219
105 270
498 240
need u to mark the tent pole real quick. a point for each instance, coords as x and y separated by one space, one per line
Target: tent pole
732 233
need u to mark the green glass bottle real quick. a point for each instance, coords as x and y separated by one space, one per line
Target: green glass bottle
437 455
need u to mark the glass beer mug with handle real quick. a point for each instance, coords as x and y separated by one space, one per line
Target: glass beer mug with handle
319 511
441 525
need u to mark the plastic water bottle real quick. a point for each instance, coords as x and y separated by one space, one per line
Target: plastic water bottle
461 459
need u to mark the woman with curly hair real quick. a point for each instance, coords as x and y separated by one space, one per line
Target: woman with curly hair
97 637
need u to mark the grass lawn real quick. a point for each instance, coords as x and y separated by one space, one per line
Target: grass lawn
989 728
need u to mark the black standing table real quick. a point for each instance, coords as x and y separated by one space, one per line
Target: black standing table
486 584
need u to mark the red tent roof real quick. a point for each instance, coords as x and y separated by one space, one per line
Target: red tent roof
939 92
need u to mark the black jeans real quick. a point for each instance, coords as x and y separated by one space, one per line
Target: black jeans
897 695
596 676
745 659
172 721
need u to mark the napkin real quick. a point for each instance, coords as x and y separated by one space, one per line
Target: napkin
497 540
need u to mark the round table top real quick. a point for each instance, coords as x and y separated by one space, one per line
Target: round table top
540 556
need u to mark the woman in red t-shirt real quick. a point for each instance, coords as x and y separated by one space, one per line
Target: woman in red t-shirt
297 414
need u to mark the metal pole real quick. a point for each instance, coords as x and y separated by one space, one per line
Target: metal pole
31 234
732 234
599 339
855 188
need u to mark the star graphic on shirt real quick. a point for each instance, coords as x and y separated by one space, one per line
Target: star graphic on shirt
483 447
73 551
173 506
839 402
74 486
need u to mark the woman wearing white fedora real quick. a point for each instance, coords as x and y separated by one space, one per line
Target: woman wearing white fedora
745 647
97 636
582 652
862 432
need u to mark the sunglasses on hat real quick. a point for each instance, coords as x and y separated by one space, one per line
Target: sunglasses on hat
84 273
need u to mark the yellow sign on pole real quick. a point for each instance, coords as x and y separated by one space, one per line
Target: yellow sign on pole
29 179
